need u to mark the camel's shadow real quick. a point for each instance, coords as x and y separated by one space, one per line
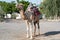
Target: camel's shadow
51 33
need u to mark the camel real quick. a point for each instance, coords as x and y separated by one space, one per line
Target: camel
30 20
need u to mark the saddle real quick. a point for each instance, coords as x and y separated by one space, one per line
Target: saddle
36 11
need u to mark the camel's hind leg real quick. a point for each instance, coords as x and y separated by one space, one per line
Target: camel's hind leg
38 28
34 34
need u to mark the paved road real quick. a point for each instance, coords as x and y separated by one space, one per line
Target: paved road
17 31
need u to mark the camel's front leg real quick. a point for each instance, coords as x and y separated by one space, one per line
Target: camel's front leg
31 31
27 24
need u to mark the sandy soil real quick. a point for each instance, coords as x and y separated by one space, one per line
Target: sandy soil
17 31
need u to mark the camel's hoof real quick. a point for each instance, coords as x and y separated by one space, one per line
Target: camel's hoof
27 36
31 37
34 35
39 34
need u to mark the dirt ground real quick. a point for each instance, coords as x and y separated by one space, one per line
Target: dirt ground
17 31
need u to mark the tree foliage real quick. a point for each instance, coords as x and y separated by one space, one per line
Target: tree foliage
1 14
51 8
8 7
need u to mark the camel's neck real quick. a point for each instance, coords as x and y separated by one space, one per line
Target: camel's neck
22 14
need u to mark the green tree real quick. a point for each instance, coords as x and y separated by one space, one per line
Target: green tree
1 14
51 8
8 7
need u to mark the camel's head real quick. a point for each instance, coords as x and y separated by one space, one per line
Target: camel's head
19 6
21 10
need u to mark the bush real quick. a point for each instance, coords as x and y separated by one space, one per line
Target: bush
13 16
1 18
